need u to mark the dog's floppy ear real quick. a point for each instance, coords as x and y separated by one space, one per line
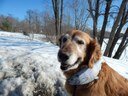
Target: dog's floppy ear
93 52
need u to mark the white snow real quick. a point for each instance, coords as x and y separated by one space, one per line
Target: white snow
30 67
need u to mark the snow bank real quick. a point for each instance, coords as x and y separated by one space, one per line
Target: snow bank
29 68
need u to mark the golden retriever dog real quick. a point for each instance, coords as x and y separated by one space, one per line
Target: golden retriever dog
79 50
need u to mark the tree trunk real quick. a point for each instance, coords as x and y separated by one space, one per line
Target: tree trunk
76 17
115 25
94 16
117 56
115 40
61 16
122 45
105 22
55 4
94 29
117 35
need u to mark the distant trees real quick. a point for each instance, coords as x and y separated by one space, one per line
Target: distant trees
6 25
80 14
34 22
94 12
58 14
9 23
48 27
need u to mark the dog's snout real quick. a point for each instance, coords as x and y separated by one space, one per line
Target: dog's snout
63 56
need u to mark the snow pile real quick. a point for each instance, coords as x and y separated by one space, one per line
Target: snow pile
29 68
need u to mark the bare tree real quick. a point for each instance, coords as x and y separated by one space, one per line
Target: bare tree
58 13
120 19
34 22
94 12
122 45
114 27
61 16
48 28
117 34
80 14
55 4
107 9
29 20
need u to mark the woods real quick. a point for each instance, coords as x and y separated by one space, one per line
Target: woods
96 17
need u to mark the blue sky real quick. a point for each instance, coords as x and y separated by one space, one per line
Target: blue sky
18 8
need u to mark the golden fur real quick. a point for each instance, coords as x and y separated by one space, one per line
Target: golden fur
109 83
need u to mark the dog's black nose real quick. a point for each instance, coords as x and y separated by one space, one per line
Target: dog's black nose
63 56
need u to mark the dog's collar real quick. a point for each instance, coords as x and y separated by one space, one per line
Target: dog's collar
86 75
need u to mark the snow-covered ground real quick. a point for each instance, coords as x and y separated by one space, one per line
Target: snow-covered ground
30 67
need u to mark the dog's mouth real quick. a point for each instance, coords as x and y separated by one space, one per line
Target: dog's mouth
65 67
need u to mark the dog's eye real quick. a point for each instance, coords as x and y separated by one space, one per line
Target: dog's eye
64 39
80 42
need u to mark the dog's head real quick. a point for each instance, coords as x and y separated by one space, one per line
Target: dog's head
77 47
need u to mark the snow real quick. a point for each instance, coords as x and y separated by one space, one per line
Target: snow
124 56
30 67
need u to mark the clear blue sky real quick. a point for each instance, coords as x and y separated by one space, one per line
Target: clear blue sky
18 8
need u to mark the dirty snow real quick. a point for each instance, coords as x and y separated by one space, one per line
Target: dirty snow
28 67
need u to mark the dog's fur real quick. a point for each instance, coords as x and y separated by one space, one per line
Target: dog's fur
109 83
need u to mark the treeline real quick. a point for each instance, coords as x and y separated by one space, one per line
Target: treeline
9 23
34 22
